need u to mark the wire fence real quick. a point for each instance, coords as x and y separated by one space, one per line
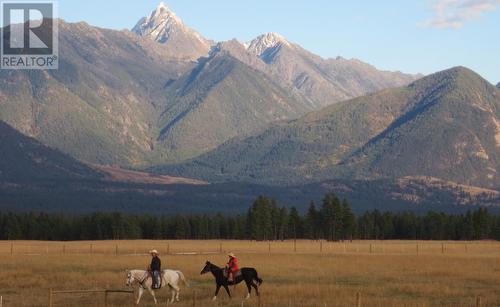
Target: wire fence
193 301
106 292
187 247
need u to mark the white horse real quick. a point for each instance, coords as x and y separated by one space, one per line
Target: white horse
142 280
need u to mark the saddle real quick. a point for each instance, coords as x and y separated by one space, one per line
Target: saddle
235 273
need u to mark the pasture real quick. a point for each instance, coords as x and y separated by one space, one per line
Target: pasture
301 273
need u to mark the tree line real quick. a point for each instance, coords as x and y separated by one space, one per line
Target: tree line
265 220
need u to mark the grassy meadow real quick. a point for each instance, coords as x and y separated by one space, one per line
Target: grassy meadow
302 273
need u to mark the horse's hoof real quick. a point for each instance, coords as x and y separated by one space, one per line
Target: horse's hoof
214 298
248 296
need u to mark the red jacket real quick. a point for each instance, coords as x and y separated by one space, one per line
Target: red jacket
232 265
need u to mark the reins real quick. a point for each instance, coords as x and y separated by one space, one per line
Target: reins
141 282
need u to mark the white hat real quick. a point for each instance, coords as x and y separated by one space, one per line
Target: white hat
153 251
231 255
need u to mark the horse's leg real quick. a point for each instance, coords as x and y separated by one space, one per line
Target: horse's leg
256 288
249 289
217 288
172 291
177 290
153 295
227 290
141 291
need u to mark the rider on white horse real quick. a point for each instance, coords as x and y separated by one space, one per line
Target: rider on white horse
143 280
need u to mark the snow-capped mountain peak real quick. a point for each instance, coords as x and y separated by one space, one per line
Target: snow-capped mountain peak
161 24
265 41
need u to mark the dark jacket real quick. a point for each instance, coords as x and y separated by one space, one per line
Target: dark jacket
155 264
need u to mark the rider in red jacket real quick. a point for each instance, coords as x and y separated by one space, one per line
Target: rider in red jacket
232 266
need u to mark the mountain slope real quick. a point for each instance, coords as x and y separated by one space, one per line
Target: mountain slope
498 84
27 160
219 99
103 104
100 105
321 81
297 151
36 177
453 133
136 99
445 125
163 26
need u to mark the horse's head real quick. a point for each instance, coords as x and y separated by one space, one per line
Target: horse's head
130 278
206 268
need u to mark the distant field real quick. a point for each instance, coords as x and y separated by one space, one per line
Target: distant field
302 273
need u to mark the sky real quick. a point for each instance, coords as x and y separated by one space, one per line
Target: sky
413 36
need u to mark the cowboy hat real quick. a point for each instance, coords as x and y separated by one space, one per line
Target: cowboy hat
153 251
231 255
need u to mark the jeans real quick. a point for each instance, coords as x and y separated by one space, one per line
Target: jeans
156 279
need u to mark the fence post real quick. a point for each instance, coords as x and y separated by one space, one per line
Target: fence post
478 301
358 299
269 246
1 301
50 297
295 245
442 248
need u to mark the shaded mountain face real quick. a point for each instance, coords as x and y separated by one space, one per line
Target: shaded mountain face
498 84
319 82
27 160
445 125
100 105
36 177
219 99
163 26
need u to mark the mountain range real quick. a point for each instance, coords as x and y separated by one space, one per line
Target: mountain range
230 119
137 98
445 125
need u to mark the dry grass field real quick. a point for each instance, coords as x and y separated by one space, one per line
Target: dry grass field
305 273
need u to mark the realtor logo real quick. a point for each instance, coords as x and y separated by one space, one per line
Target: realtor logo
29 35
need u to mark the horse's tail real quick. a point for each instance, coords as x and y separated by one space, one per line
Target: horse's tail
257 278
183 278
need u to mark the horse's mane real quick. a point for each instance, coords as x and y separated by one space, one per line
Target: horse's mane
214 266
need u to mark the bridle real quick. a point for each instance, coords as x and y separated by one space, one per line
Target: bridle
207 269
141 281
